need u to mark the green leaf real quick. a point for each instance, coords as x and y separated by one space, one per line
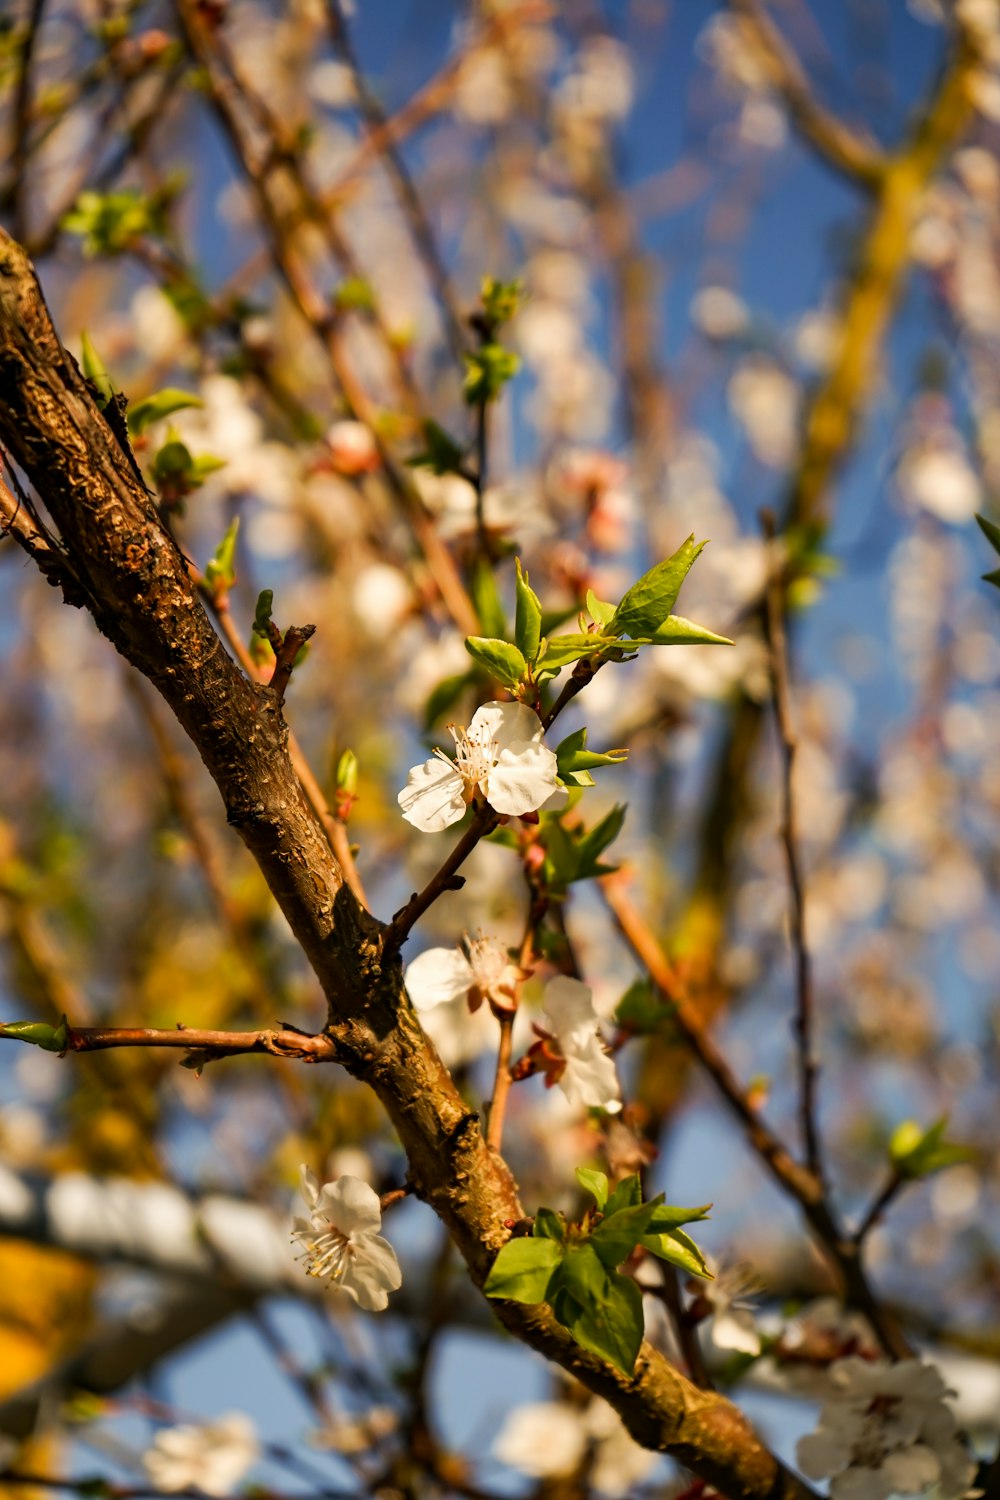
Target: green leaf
486 598
528 615
916 1152
670 1215
523 1270
572 755
676 631
628 1194
173 463
95 371
441 453
642 1009
990 531
220 570
601 1309
617 1235
600 612
679 1249
38 1034
500 300
205 464
262 614
562 649
162 404
487 372
549 1225
444 696
594 842
354 294
593 1182
502 660
649 601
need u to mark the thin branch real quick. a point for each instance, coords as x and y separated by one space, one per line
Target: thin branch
774 618
284 1041
501 1083
894 1184
799 1182
484 820
853 155
378 132
22 121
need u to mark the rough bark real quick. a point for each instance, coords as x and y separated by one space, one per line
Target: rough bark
138 589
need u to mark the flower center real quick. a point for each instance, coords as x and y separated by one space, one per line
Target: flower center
475 754
326 1253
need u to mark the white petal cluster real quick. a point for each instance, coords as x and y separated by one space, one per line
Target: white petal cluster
212 1458
480 970
589 1076
500 755
886 1430
550 1440
341 1241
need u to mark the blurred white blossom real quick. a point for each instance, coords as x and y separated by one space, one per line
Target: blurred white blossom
212 1458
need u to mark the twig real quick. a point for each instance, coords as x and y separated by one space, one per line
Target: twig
379 133
484 820
669 1293
894 1184
774 618
838 145
22 121
336 832
284 1041
501 1083
799 1182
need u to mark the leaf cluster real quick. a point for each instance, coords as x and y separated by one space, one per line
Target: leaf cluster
573 1268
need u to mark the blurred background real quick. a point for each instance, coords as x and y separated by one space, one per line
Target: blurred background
758 249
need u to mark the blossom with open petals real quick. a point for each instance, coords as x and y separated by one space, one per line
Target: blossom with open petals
885 1430
481 969
212 1458
571 1051
342 1243
500 755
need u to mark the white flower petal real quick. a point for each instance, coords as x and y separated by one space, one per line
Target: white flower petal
372 1273
569 1008
589 1078
524 777
438 976
351 1205
432 798
507 724
544 1439
822 1452
912 1469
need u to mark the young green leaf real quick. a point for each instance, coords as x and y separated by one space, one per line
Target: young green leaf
679 1249
549 1225
628 1194
523 1270
601 1309
487 372
95 371
676 631
600 612
486 598
572 754
502 660
38 1033
593 1182
916 1152
162 404
649 601
617 1235
560 650
528 615
220 570
262 614
670 1215
441 454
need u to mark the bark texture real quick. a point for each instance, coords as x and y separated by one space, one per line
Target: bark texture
137 587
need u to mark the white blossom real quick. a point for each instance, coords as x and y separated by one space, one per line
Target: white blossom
342 1243
588 1075
718 313
544 1439
480 970
732 1324
500 755
764 399
886 1429
212 1458
941 481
